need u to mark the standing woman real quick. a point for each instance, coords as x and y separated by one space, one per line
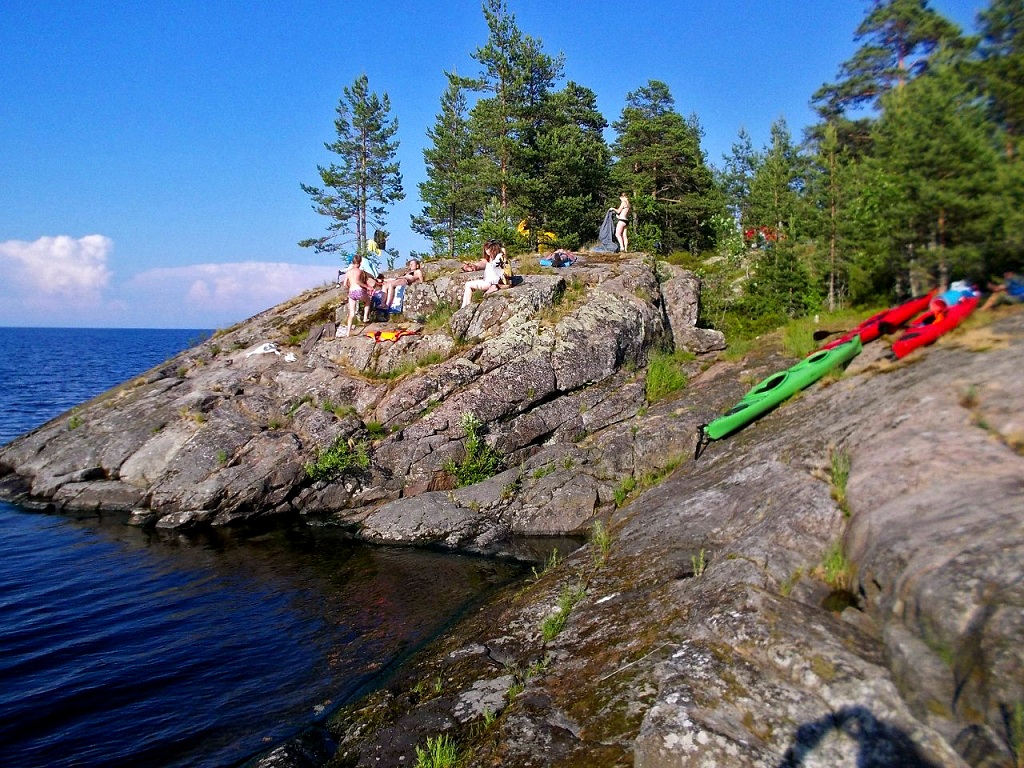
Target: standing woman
621 221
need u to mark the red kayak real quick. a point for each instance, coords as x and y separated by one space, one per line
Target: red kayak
885 321
927 328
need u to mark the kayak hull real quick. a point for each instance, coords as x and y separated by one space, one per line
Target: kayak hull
780 386
885 321
925 329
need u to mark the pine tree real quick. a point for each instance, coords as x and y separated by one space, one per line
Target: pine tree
517 75
571 167
935 143
660 163
1001 66
358 189
737 175
898 36
782 284
453 195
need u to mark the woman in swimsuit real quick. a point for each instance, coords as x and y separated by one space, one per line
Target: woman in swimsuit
621 220
414 275
492 273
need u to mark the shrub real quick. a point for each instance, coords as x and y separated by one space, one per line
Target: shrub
481 460
343 456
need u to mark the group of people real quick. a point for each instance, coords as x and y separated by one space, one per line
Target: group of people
361 287
1009 290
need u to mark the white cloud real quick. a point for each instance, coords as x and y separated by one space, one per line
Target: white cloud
205 295
64 281
55 272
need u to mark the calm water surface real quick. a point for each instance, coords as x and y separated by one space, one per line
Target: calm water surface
118 648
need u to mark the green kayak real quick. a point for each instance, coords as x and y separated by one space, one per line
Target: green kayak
777 387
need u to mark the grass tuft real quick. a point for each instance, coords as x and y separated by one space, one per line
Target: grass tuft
665 375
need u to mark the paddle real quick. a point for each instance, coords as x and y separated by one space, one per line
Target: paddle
884 329
820 335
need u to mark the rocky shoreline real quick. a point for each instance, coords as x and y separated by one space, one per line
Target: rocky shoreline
703 630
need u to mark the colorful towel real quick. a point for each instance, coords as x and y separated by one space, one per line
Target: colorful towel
390 335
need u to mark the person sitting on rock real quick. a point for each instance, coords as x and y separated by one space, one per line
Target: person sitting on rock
1010 290
494 247
490 281
391 285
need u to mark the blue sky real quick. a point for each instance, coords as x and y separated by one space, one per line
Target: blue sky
151 153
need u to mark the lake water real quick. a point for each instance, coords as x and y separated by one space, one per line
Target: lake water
121 648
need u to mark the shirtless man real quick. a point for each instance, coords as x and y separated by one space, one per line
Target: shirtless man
360 289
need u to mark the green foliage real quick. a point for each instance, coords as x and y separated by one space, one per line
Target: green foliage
294 407
441 752
839 461
452 191
74 421
344 455
552 562
480 462
439 316
623 489
660 165
336 408
601 538
665 374
699 563
553 624
835 570
365 180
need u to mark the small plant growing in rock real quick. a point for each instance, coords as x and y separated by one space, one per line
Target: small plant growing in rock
835 570
552 562
337 410
699 562
839 461
343 456
74 422
481 460
441 752
222 457
665 375
602 541
294 407
623 490
555 623
969 399
439 316
543 471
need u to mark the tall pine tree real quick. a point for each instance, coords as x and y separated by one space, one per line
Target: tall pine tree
453 194
660 164
365 180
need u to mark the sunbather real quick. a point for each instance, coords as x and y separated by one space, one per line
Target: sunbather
391 285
